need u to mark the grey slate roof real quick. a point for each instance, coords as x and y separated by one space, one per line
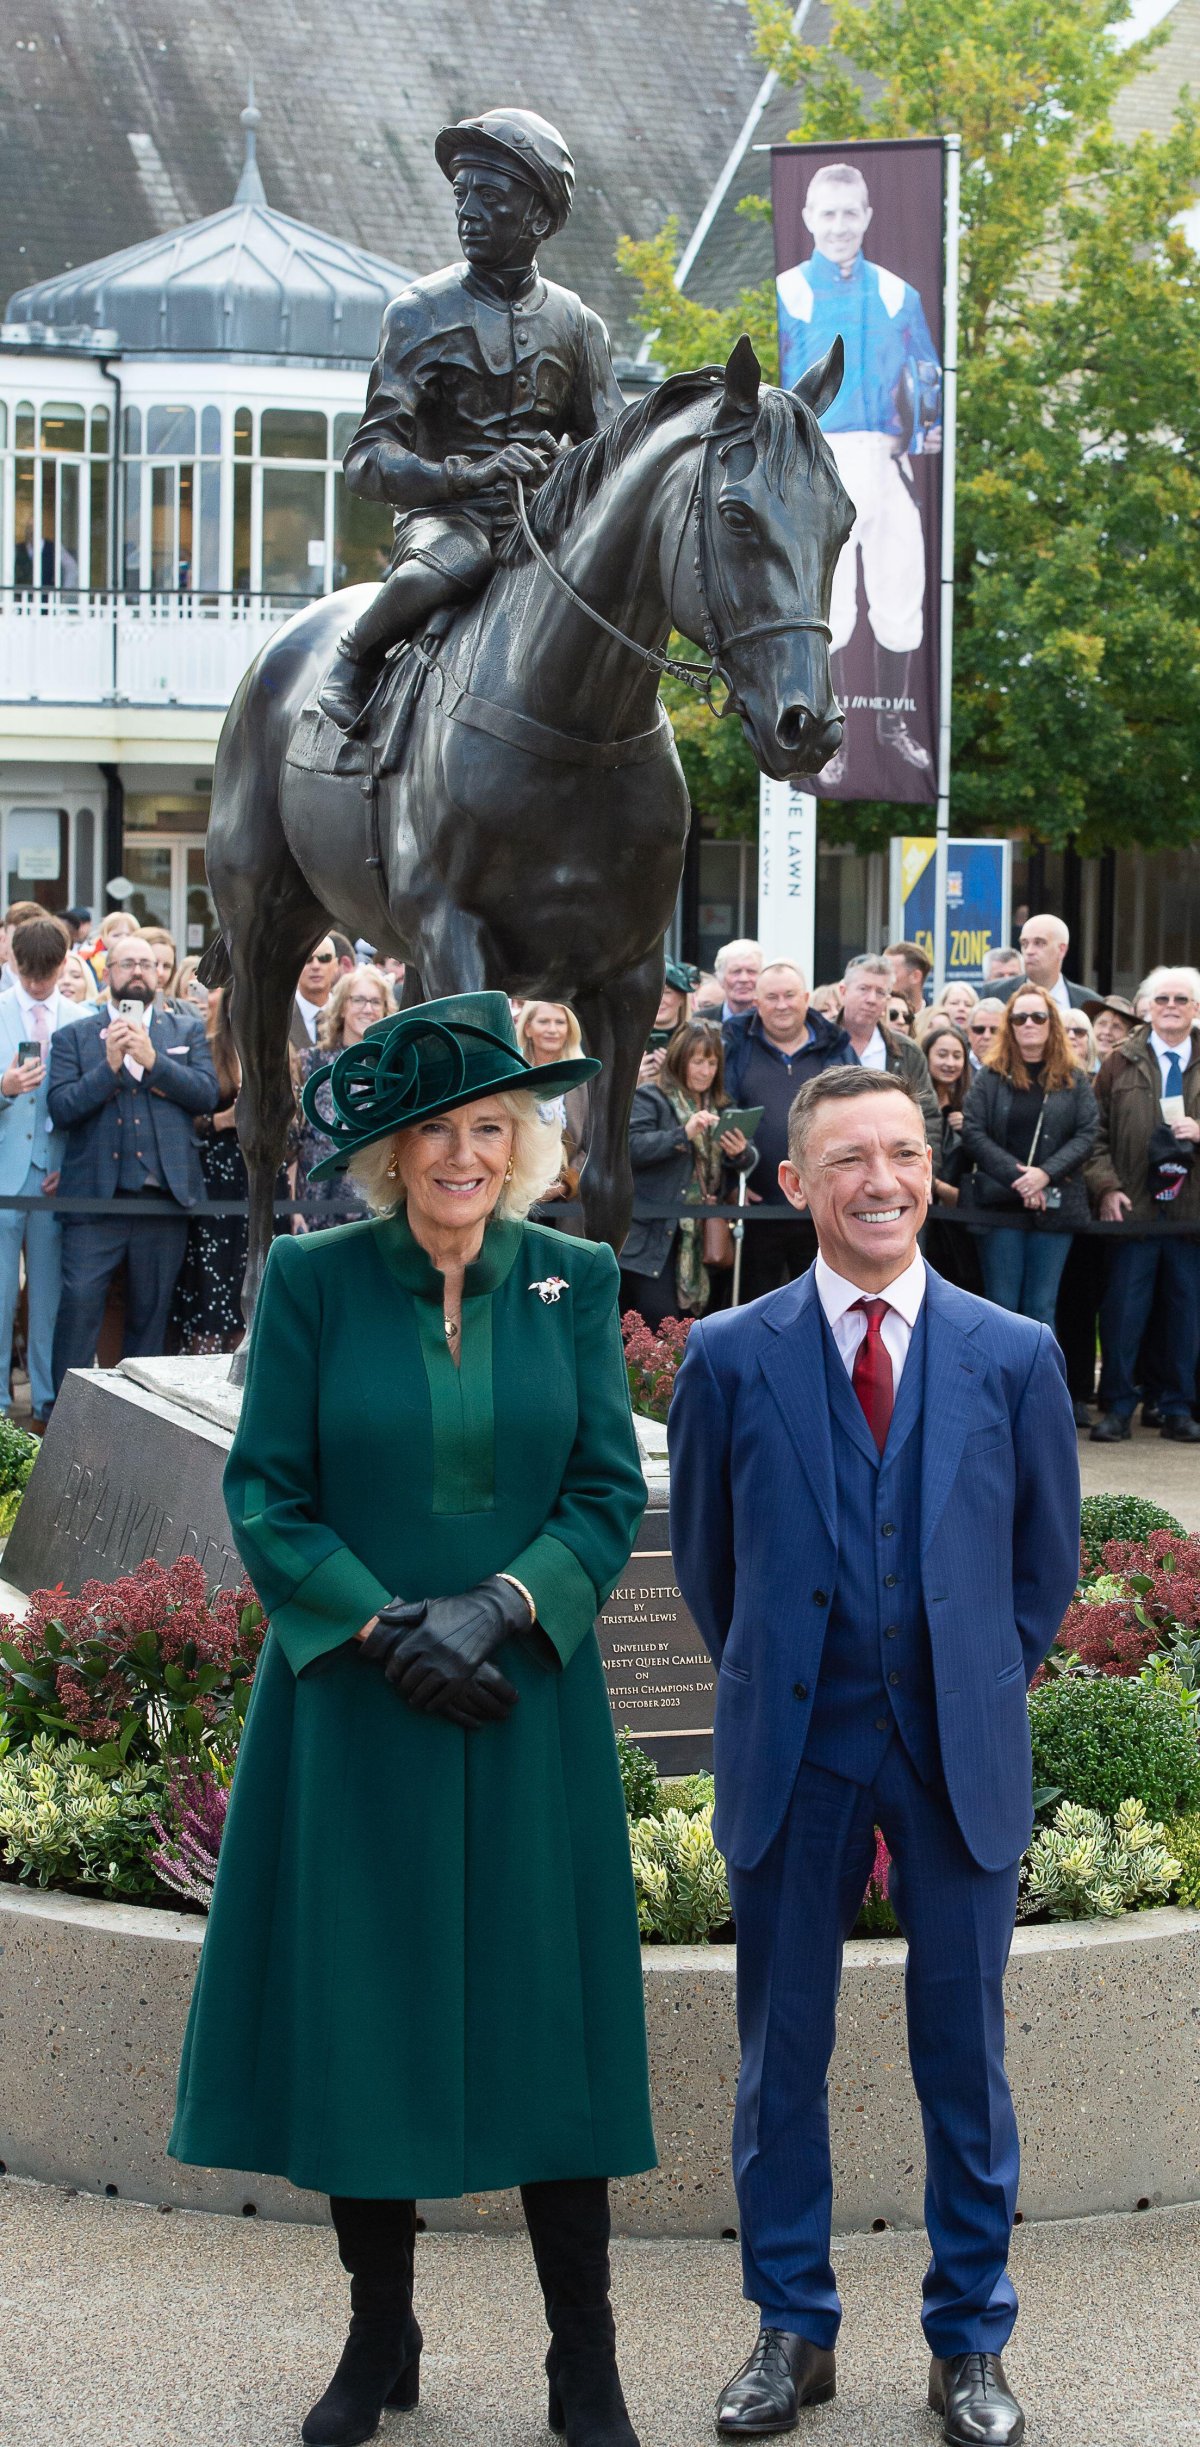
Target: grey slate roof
119 119
248 280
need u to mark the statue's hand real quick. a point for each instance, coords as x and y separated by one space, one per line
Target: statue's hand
528 460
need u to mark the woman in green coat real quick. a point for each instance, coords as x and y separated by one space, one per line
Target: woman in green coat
421 1975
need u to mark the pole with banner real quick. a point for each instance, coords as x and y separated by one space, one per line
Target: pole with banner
953 151
787 873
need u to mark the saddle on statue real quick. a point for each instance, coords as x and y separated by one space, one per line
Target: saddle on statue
379 738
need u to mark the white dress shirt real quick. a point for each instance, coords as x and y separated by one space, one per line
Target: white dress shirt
874 1053
1164 1053
848 1325
310 1013
1058 993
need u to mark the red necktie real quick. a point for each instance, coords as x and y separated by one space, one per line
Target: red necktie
871 1376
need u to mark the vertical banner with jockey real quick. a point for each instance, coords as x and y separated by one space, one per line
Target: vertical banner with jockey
859 249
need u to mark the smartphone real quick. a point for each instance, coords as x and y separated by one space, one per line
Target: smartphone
28 1050
132 1011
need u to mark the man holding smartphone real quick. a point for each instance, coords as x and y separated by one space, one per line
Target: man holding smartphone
30 1011
126 1084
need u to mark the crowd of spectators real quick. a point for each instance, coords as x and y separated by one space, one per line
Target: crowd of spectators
1049 1108
1046 1106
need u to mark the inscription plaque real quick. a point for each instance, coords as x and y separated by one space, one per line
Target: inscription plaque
660 1675
122 1476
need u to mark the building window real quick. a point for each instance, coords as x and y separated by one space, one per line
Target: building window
179 494
60 497
37 847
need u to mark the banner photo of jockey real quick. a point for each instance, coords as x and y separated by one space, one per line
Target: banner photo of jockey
859 250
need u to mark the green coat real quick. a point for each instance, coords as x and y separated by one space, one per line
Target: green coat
421 1974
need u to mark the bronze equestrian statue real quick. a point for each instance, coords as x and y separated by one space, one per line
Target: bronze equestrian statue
511 812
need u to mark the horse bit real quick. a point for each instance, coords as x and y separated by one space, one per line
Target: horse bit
702 677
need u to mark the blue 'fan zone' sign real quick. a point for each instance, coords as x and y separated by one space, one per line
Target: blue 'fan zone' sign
978 900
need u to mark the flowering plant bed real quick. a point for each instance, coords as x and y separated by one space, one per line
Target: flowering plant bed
652 1360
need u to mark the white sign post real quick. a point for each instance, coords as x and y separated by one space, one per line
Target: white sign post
787 873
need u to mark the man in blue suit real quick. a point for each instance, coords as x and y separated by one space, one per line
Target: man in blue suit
30 1012
875 1520
126 1083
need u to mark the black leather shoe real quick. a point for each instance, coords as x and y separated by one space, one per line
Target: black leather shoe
1181 1428
765 2396
1151 1415
1083 1413
1110 1428
977 2406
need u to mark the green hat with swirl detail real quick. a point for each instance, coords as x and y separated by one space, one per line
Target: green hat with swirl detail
426 1060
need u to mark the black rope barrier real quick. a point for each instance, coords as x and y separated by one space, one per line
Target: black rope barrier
960 1218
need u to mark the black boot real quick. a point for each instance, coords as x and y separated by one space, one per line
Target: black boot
349 683
569 2229
891 672
381 2359
401 606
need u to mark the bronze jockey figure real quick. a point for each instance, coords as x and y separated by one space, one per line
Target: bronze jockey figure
484 372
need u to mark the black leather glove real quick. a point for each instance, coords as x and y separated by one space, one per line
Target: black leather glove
436 1652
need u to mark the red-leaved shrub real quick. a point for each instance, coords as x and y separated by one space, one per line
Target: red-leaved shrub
154 1660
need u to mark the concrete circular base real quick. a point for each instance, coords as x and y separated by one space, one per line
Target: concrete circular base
1102 2031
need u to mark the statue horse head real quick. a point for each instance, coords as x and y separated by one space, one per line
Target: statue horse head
749 538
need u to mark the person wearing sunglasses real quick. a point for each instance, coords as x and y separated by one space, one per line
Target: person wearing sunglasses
317 979
1029 1124
1143 1169
982 1028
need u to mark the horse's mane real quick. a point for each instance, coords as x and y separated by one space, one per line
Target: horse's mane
781 428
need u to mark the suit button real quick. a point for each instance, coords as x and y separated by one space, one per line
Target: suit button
799 1690
882 1723
892 1632
888 1530
889 1580
820 1597
893 1679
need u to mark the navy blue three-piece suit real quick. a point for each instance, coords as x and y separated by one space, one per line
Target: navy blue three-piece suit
875 1621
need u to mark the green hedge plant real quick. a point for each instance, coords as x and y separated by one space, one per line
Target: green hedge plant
18 1453
1132 1517
1099 1740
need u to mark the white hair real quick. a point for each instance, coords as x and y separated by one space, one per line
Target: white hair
537 1160
1191 978
741 944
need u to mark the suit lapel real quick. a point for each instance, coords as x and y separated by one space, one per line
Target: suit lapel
793 1362
952 1370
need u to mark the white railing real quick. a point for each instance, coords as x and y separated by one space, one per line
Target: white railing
60 647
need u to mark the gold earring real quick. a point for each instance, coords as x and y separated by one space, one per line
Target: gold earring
393 1170
509 1172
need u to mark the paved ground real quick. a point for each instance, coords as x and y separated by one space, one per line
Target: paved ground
1148 1465
129 2327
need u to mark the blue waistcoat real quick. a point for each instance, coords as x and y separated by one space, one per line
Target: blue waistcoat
876 1676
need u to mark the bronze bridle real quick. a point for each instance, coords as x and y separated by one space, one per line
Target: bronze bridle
702 677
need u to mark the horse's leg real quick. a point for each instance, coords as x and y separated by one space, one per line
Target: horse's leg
616 1023
412 991
266 965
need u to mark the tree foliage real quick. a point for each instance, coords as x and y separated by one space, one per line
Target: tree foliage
1077 632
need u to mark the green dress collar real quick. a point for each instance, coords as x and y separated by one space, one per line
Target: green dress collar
402 1253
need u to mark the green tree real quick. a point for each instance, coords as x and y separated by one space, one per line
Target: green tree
1077 627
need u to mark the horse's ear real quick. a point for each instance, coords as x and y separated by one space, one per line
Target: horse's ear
820 386
743 374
